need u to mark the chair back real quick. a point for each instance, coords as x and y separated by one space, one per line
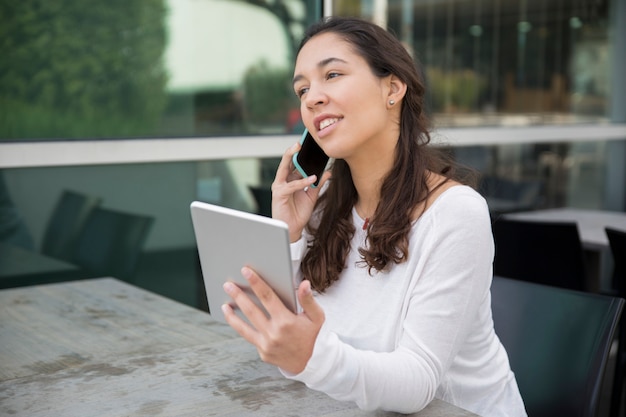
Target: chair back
617 242
263 197
558 342
111 242
66 222
508 196
548 253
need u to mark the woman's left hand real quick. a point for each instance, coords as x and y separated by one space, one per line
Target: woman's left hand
283 339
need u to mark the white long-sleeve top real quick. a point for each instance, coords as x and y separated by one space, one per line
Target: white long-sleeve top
397 339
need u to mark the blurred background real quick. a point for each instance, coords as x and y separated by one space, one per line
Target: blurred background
139 108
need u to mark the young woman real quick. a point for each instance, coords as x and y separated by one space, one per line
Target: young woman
395 252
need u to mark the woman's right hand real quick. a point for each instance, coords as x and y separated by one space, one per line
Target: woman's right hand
293 198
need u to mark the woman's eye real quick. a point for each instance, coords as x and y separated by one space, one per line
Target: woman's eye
332 75
301 91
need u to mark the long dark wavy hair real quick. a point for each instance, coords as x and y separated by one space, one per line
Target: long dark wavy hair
405 186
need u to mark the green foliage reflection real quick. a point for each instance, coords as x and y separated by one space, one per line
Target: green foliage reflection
267 93
76 69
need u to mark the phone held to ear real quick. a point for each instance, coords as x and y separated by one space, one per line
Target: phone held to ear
310 159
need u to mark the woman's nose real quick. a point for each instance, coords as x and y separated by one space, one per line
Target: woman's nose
315 96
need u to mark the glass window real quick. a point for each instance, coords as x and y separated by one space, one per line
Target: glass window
163 259
504 62
149 69
154 68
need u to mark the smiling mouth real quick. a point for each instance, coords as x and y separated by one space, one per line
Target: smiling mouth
328 122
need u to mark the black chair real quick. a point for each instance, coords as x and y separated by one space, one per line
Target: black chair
541 252
13 229
558 342
617 242
66 222
263 197
110 243
508 196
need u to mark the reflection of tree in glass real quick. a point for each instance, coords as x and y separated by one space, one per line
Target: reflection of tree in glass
78 69
268 97
268 93
294 26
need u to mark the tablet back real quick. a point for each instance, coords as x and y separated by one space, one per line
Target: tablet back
228 240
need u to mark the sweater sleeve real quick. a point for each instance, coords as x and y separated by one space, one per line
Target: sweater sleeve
297 249
449 278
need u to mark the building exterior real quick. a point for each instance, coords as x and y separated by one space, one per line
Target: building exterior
154 104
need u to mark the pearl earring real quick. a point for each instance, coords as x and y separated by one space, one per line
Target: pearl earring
392 102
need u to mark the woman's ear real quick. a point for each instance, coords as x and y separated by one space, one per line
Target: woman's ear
397 89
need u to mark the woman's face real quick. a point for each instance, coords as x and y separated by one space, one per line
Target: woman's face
343 104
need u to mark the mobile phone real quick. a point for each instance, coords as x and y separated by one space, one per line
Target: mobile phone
310 159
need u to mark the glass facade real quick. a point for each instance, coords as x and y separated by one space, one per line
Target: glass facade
167 262
154 68
134 78
522 63
502 62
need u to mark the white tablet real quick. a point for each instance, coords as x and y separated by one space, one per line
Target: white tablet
230 239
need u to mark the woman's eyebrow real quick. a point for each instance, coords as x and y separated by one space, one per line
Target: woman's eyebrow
321 64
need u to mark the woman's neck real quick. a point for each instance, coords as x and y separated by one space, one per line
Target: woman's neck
368 180
369 167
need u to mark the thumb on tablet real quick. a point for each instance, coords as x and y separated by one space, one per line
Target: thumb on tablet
309 306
